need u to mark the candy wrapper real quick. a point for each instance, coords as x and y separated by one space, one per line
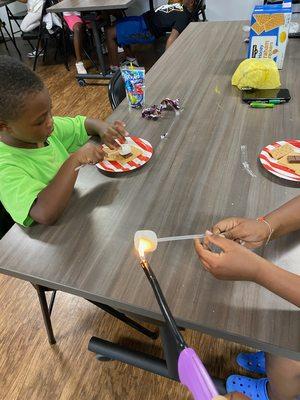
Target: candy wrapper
154 112
134 79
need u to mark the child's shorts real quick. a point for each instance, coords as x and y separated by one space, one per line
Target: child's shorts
71 20
133 30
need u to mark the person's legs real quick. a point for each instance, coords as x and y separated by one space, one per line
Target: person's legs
128 52
127 31
76 24
284 378
31 21
78 38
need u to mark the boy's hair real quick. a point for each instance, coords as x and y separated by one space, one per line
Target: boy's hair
17 81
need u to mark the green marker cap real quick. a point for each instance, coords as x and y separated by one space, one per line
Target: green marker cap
256 104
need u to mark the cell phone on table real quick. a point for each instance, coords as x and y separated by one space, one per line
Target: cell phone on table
248 96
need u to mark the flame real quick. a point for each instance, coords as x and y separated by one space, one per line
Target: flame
144 245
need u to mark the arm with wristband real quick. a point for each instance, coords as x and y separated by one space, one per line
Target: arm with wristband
258 232
236 262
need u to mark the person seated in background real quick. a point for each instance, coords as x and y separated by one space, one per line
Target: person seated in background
237 263
146 28
40 154
32 19
76 25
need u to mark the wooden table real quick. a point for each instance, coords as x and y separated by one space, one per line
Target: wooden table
194 179
90 7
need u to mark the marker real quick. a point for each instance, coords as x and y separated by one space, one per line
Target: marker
277 101
271 101
256 104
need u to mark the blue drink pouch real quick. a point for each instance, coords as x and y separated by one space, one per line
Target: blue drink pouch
134 79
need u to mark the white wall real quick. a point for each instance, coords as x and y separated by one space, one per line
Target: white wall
230 10
217 10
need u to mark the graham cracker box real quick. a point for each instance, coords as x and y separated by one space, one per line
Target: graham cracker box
269 32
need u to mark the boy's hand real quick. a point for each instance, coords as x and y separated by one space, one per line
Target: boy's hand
111 133
88 154
235 262
253 233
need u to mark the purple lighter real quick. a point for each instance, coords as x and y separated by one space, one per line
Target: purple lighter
191 371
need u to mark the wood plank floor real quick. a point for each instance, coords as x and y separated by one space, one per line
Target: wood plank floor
32 369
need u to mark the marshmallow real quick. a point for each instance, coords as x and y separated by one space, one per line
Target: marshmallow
149 239
125 149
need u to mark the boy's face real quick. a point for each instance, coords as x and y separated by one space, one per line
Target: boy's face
35 124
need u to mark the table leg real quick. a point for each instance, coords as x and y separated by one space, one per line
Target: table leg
128 321
158 366
102 65
46 311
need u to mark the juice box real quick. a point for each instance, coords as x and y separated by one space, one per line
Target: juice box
269 32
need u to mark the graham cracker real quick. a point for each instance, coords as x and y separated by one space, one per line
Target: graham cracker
114 155
281 151
262 18
275 21
257 28
293 166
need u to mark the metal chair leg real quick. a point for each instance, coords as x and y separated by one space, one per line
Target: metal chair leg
46 312
65 52
4 41
36 53
10 24
128 321
11 39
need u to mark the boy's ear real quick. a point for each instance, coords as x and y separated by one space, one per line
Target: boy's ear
4 127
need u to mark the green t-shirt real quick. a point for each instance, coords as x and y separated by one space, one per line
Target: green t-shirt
24 173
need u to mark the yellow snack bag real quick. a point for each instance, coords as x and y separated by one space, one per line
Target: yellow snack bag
256 74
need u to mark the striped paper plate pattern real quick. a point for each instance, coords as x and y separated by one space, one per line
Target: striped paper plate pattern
142 144
272 165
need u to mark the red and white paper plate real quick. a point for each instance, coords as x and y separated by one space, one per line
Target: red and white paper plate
139 161
272 165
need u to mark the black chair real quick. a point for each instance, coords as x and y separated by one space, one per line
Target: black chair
200 8
42 35
7 38
6 222
116 90
16 18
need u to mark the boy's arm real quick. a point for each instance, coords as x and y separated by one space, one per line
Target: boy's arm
107 133
52 200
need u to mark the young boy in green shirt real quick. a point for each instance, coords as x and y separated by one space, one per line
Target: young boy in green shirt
39 153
